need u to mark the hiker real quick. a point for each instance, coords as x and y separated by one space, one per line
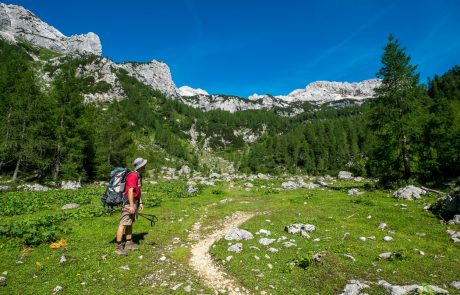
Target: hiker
129 210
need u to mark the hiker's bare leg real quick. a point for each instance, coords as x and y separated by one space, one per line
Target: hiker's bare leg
120 233
129 232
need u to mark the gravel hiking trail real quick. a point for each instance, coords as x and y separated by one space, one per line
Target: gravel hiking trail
211 274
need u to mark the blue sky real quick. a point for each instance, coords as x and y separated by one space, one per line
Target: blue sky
245 46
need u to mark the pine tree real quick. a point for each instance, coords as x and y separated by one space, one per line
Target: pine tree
395 114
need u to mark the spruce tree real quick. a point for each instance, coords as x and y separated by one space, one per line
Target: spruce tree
395 115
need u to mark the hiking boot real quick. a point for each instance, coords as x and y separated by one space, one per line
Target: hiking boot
119 250
131 246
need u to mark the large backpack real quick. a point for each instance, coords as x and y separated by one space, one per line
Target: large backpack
114 194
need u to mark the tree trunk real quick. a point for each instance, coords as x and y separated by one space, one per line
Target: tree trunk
405 158
16 170
57 160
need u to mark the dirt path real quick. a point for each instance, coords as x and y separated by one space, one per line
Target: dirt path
211 274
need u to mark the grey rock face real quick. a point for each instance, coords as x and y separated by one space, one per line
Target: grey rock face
345 175
408 289
70 206
409 192
237 248
353 287
236 234
18 22
154 74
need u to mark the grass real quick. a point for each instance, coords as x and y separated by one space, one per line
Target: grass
162 263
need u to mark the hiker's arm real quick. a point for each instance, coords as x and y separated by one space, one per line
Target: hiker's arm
131 200
141 204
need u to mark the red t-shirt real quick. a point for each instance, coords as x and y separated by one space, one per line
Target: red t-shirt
133 181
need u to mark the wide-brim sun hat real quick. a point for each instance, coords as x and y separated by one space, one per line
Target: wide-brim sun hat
139 163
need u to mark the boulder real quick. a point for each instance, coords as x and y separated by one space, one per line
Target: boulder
248 184
214 175
345 175
72 185
237 248
33 187
70 206
184 170
353 287
310 185
289 185
455 220
354 192
5 188
298 228
192 189
411 289
236 234
409 192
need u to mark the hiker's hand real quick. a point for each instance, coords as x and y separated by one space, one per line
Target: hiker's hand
141 207
131 210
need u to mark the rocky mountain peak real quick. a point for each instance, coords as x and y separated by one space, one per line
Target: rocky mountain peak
16 22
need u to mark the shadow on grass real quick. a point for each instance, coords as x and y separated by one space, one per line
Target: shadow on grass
137 237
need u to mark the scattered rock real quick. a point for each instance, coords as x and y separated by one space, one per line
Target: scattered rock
214 175
227 200
272 250
57 289
266 241
63 259
388 238
188 289
237 248
382 226
386 255
362 239
33 187
270 266
456 285
72 185
5 188
70 206
263 231
455 220
454 235
409 192
401 290
248 184
354 192
176 286
289 185
300 228
289 244
184 170
353 287
237 234
345 175
2 281
349 257
124 267
228 258
192 190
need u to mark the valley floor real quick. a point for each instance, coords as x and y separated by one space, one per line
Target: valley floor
184 252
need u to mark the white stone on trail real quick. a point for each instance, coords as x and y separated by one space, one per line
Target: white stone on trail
363 239
410 289
201 261
266 241
238 234
388 238
353 287
237 248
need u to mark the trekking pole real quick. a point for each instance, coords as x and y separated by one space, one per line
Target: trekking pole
150 217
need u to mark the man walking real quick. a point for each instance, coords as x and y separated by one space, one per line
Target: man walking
131 205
